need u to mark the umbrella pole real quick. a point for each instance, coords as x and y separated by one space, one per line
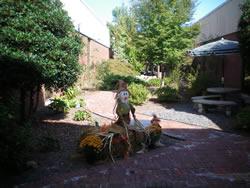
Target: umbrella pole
223 73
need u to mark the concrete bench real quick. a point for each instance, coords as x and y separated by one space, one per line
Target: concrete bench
206 97
245 98
227 104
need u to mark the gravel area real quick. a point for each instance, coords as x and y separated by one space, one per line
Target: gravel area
185 113
181 112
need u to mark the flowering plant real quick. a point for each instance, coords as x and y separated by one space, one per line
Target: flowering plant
91 146
154 131
92 141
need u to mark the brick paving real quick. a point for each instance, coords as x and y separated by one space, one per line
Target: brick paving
206 158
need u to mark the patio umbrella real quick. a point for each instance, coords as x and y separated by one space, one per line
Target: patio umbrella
218 48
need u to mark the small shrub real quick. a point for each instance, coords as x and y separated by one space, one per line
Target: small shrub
71 103
154 82
70 93
243 118
59 105
138 93
82 115
167 94
82 103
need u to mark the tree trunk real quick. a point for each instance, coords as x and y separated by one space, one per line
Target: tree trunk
162 75
37 97
158 71
31 103
22 106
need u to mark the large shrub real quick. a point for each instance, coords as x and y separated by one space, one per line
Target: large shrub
111 71
200 83
138 93
38 45
109 81
115 67
167 94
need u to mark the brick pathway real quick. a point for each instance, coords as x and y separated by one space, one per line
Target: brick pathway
207 158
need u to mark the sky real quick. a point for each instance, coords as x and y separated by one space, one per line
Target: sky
103 8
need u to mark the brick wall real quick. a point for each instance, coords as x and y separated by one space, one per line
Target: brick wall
93 52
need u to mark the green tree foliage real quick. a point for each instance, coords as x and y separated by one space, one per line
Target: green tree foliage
244 34
38 45
123 30
162 33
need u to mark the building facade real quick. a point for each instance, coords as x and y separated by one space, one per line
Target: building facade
223 22
95 34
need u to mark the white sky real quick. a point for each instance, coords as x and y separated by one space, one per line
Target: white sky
86 21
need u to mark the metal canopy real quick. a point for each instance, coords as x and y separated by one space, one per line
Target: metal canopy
220 47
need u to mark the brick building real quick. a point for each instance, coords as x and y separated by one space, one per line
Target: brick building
94 32
222 22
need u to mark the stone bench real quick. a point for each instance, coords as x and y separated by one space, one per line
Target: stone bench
205 97
221 103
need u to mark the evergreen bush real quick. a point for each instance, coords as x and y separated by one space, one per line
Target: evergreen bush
138 93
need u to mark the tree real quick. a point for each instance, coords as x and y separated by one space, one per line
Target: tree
38 45
244 36
163 36
123 30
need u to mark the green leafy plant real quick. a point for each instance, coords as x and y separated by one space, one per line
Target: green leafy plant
243 118
82 115
115 67
154 82
138 93
109 81
167 94
70 93
111 71
38 46
201 83
244 35
72 103
82 103
59 105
